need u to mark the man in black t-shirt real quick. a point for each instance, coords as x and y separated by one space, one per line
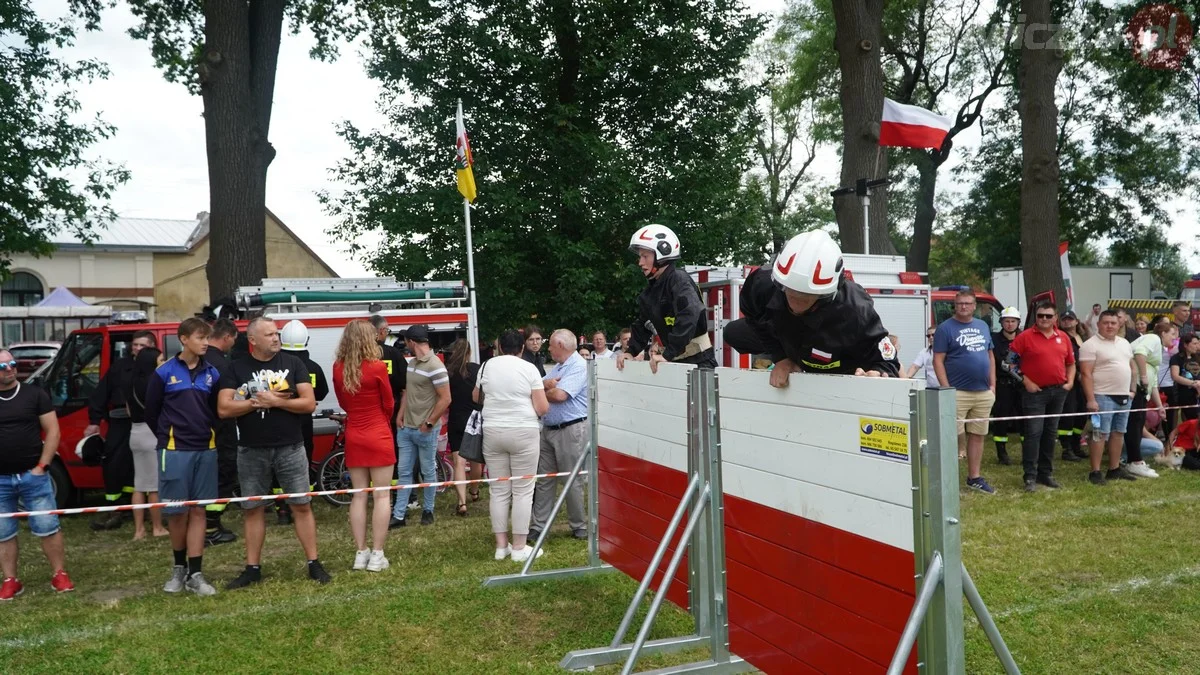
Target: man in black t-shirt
25 456
269 394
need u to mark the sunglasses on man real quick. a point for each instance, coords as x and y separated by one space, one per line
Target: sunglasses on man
10 365
1045 316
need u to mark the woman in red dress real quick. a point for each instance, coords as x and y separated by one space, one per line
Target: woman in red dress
360 380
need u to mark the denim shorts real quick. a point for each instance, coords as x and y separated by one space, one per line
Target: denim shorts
289 465
185 475
27 492
1114 422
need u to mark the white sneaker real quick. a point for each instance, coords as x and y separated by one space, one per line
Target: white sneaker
502 553
360 559
1141 470
377 563
196 584
522 554
175 583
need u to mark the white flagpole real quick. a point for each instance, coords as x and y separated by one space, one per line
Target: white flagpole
473 329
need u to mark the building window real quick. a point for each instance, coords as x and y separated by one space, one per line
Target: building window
21 290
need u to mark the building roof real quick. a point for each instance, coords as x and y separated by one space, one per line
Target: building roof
140 234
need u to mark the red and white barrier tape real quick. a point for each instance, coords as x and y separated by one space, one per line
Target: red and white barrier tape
267 498
1085 413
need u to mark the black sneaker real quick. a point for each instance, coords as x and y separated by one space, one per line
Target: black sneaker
108 521
1097 478
1030 485
217 537
533 535
1002 457
1069 456
396 522
1119 473
579 534
1082 452
317 572
427 517
248 577
1049 482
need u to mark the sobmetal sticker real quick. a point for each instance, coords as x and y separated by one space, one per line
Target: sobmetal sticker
884 438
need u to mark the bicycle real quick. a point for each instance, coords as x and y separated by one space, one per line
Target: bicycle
331 473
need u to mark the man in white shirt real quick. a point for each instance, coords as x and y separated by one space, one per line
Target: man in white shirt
600 347
1108 376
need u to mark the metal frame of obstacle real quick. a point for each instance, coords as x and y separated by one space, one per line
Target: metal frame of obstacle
936 620
703 534
589 458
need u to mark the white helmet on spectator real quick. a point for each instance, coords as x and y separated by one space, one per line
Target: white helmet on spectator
1010 313
294 336
659 239
811 262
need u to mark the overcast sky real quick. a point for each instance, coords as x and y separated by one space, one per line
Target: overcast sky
160 132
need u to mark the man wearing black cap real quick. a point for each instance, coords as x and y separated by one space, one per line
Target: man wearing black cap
426 397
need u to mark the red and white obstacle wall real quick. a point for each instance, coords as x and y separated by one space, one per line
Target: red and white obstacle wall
821 529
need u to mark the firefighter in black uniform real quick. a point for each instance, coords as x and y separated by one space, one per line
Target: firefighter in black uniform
1009 386
220 344
294 339
808 317
670 305
108 401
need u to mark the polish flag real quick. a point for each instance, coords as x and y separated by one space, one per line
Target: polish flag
908 126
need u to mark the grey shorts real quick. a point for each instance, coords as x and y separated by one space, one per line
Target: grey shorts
289 465
185 475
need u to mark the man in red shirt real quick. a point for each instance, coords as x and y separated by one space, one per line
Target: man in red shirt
1043 357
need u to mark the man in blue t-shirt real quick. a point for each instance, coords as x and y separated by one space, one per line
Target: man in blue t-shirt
962 358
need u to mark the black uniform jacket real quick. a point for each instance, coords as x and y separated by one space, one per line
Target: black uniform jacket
837 336
672 304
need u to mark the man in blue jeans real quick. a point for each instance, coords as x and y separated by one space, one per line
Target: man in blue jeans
425 399
26 415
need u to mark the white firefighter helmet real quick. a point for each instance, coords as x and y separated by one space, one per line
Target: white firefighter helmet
294 336
659 239
811 262
1010 313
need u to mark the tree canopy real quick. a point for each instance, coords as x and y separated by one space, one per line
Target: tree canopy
586 121
48 182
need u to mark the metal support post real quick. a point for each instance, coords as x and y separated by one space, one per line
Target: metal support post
917 453
916 618
946 654
704 536
589 458
988 625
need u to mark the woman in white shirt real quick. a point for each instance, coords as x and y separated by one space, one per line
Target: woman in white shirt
924 362
513 398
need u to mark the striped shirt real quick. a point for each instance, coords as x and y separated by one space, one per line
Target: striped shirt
425 375
572 378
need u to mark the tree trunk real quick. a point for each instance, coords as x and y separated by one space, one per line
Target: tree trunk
859 29
1041 61
237 76
926 211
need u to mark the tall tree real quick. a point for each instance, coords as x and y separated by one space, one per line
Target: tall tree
227 51
858 38
586 120
1041 61
47 184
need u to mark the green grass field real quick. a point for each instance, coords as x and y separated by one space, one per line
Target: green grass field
1081 580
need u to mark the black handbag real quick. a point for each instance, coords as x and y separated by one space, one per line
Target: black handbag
472 441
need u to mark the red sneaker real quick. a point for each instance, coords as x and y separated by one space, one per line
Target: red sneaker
10 589
61 583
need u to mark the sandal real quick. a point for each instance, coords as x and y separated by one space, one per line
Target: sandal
461 510
474 494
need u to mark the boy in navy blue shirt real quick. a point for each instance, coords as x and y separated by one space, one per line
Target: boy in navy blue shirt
181 405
